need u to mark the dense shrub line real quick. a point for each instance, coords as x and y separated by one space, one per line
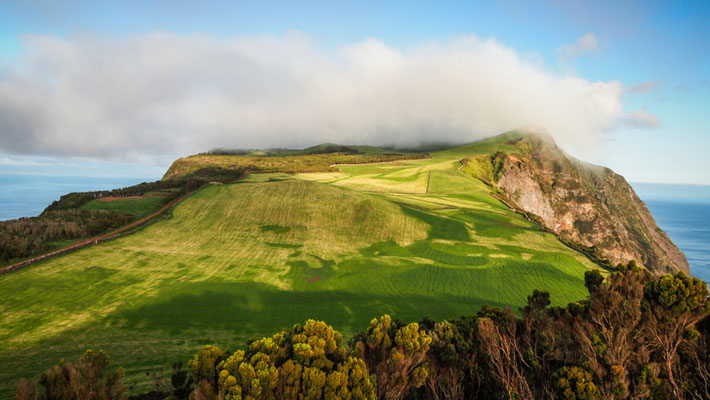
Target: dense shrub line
64 220
323 149
25 237
288 164
637 336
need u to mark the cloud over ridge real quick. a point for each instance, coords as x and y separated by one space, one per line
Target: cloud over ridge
166 94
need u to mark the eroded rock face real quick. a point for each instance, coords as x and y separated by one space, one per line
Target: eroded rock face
588 206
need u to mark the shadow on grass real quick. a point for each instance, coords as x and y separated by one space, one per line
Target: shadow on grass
172 327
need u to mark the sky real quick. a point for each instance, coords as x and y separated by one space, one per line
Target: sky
123 88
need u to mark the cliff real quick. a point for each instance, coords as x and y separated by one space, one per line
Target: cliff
587 206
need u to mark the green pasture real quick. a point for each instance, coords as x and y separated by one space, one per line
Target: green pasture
411 238
140 207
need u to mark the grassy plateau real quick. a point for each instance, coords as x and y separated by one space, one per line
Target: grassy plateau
411 238
140 207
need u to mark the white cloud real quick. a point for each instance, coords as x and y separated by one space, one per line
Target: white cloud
642 87
641 119
586 44
161 94
21 162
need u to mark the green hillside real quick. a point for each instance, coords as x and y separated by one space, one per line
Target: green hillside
140 207
411 238
292 163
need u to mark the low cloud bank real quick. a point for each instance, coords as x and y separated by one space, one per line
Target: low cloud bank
162 94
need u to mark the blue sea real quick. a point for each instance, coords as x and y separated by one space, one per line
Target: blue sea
28 195
683 211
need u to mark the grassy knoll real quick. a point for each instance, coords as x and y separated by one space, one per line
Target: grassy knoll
140 207
411 238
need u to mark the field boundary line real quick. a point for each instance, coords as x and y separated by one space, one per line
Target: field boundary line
428 157
130 228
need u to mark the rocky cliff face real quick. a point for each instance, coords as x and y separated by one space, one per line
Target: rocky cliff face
587 206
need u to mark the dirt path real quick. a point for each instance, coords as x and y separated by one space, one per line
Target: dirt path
118 198
104 237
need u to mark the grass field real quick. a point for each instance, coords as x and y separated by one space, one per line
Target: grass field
412 238
140 207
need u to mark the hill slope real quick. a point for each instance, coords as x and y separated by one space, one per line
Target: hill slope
413 236
410 238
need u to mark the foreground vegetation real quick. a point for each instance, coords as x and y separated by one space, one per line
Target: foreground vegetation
408 238
636 336
26 237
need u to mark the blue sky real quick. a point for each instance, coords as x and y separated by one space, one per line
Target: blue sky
656 52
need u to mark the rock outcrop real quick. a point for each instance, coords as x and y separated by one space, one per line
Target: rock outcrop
587 206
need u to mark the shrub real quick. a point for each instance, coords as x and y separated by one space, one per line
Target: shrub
304 362
85 381
574 383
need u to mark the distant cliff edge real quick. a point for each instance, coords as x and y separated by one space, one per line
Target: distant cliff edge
587 206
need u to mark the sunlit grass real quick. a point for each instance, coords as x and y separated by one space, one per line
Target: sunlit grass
246 259
140 207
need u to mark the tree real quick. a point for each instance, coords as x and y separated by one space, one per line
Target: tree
498 332
674 304
180 381
304 362
447 363
611 332
396 354
87 381
574 383
696 357
540 340
203 371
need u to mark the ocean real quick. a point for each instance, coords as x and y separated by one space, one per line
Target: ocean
683 211
29 195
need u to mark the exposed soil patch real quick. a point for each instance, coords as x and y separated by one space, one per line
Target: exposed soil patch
114 198
513 158
118 198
